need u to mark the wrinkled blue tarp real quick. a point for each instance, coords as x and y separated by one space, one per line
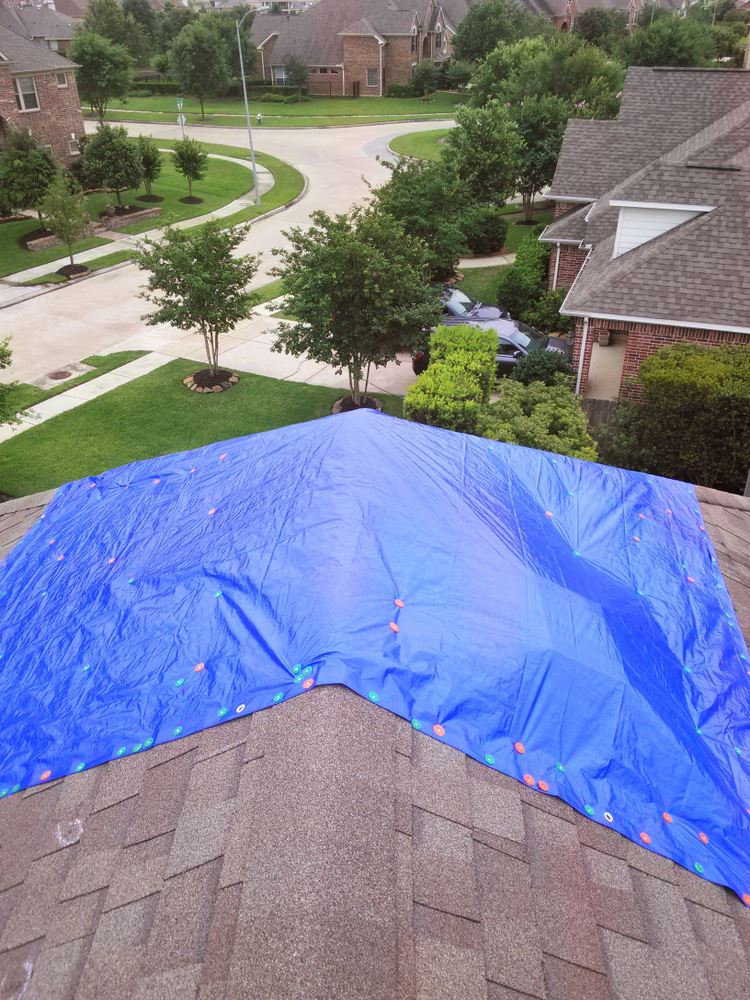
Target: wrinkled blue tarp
563 622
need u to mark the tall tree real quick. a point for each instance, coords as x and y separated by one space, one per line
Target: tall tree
600 27
495 21
191 161
26 171
297 72
170 22
199 61
150 163
669 41
224 22
64 212
104 73
541 123
356 287
111 160
108 19
197 283
484 149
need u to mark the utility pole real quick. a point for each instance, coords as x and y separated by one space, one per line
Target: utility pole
247 109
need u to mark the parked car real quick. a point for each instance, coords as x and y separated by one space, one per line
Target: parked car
514 341
458 307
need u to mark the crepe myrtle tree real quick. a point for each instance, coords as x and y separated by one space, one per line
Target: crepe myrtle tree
111 160
150 162
356 285
191 161
64 211
197 283
105 70
26 172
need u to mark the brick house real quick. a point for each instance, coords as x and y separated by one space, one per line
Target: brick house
651 227
357 47
38 93
563 13
39 24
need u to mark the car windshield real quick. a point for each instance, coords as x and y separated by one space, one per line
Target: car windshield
529 338
457 303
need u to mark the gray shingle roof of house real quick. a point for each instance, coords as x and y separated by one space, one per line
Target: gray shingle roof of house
26 56
682 138
36 22
324 850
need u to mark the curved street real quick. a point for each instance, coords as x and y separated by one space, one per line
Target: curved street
103 313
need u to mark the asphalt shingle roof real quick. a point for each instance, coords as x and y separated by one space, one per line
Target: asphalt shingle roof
36 22
26 56
324 849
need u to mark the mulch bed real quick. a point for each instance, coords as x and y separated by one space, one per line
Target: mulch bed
205 381
73 270
150 199
12 218
347 404
191 200
35 234
121 210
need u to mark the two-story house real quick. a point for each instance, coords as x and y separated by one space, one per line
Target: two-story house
651 234
38 93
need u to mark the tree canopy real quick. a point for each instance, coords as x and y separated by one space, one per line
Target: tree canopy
111 160
197 283
600 27
356 286
26 171
199 61
484 149
669 41
495 21
541 123
105 70
64 211
8 408
110 20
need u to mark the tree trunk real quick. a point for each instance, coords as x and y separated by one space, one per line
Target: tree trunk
70 252
203 113
119 199
190 186
527 202
147 185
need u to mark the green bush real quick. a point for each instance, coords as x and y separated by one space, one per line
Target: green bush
447 395
272 99
484 228
401 90
523 283
538 416
471 347
544 314
541 366
694 421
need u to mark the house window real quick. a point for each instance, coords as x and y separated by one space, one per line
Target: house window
73 146
414 39
323 69
62 81
52 43
438 40
279 75
334 70
372 77
26 95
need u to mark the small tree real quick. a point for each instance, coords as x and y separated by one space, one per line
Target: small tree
484 149
355 284
458 73
603 28
297 73
64 212
541 366
104 70
541 123
190 161
199 60
26 171
196 282
537 415
111 160
150 162
8 409
425 77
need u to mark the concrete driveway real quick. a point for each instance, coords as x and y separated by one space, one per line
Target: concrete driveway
104 313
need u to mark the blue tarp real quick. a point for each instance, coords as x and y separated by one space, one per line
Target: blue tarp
563 622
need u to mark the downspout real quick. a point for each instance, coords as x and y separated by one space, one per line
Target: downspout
380 52
343 81
262 65
557 265
582 355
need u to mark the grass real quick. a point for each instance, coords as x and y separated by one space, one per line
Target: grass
265 293
318 112
288 184
481 282
24 395
154 415
15 258
518 231
420 145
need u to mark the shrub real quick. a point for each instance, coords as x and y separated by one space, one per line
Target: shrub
484 228
694 422
522 284
447 395
273 99
471 347
545 313
297 99
111 160
538 416
541 366
401 90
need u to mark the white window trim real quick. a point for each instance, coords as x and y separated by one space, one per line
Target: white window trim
61 86
23 110
375 71
662 205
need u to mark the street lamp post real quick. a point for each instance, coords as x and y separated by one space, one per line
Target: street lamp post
238 25
180 116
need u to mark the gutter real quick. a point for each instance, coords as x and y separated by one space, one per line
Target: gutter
557 266
582 355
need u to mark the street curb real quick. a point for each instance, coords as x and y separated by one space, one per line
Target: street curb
282 128
126 263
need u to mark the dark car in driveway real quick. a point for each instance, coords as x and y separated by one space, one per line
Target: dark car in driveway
514 341
458 307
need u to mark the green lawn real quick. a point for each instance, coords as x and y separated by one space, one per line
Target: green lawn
288 184
318 112
420 145
14 257
481 283
517 231
155 415
24 395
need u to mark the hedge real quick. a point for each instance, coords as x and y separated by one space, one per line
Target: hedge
523 283
255 89
454 388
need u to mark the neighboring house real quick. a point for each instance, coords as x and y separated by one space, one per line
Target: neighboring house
38 93
563 13
357 47
651 233
325 850
40 24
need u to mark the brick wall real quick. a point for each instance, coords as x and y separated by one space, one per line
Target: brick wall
398 60
326 84
58 117
360 54
645 339
570 263
562 207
